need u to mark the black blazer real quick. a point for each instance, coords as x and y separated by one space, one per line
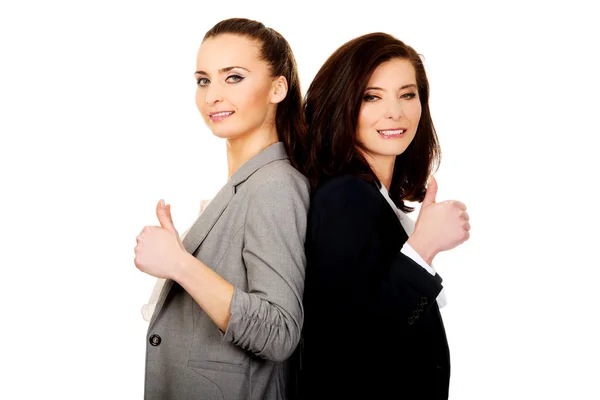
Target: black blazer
372 327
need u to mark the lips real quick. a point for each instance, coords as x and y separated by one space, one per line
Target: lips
392 133
219 116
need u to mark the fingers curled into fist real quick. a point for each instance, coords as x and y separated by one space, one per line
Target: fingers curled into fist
442 225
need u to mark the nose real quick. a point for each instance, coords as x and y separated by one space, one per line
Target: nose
213 94
394 109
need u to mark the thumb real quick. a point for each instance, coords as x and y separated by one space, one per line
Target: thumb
432 188
163 213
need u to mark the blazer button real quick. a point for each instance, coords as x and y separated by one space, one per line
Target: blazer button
155 340
415 314
411 320
423 300
420 308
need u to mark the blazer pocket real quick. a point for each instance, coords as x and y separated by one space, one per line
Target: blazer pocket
230 379
217 366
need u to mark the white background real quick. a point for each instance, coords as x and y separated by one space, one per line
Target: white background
98 123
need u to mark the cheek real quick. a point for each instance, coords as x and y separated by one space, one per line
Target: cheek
367 117
415 114
244 101
200 100
252 97
202 106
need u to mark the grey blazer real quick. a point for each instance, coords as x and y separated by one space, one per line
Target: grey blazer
252 234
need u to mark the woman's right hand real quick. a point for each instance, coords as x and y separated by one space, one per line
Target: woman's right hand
439 226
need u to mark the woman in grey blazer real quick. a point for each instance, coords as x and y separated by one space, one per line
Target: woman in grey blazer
230 312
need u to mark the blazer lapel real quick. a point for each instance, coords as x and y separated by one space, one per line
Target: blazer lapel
161 300
272 153
217 206
209 217
196 234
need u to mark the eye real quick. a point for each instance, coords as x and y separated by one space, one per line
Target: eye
234 79
408 96
203 82
370 98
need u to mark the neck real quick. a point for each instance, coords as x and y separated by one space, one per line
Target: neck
243 148
383 167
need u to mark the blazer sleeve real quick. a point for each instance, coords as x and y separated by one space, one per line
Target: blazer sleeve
267 319
350 279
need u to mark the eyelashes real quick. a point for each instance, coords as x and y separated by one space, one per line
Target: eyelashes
372 98
234 79
203 82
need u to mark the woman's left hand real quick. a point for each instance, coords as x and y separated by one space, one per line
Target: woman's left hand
159 251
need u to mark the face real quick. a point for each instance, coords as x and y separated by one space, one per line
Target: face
390 111
236 94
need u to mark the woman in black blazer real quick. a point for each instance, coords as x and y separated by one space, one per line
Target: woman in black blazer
372 326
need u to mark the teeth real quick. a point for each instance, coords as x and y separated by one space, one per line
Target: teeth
394 132
222 114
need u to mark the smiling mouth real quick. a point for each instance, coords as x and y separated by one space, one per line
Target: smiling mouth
392 133
220 115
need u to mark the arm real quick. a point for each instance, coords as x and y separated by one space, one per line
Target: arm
160 253
267 320
409 227
349 275
212 293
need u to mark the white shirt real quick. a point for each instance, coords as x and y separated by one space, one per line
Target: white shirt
409 226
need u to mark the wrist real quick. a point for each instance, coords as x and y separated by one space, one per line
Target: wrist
182 267
423 248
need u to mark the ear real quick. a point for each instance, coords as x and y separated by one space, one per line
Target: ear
279 89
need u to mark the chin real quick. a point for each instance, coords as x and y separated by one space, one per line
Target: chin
224 133
393 152
401 151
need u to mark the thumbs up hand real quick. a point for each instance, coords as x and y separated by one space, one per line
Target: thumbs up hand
439 226
159 249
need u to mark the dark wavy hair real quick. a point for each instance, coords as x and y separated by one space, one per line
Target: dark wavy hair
332 107
277 53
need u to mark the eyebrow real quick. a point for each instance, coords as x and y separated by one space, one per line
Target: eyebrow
223 70
410 85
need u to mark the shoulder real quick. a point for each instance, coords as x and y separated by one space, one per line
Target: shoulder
280 170
278 179
346 189
348 193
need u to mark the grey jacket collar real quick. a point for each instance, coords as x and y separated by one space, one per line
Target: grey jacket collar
217 206
272 153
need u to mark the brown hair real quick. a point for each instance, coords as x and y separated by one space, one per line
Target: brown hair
277 53
333 103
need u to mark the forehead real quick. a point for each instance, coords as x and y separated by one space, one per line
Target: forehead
228 50
398 71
